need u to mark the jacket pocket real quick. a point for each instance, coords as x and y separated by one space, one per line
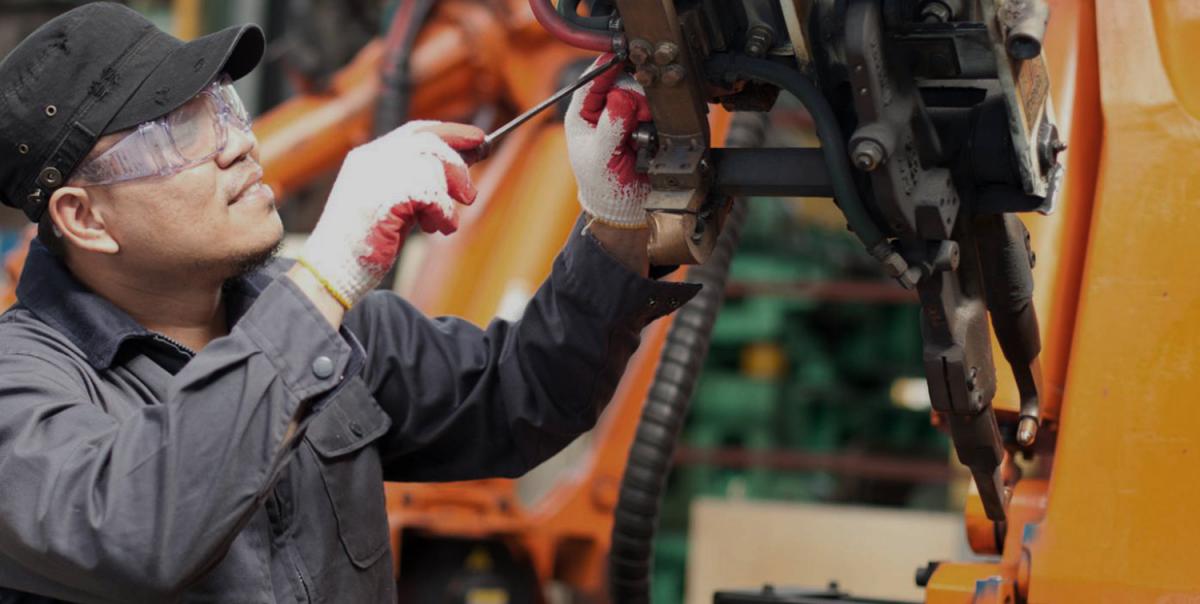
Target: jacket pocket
351 470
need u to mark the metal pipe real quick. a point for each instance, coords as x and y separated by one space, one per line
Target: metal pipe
722 67
564 30
635 518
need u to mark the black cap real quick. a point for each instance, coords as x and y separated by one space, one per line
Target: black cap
98 69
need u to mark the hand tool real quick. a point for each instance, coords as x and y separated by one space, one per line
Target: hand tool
485 149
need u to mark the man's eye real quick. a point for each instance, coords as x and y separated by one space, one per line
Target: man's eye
188 126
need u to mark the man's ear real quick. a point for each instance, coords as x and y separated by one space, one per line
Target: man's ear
80 220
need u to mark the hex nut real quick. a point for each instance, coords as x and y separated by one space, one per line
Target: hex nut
666 53
640 51
673 75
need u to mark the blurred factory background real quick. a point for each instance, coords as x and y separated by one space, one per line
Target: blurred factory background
809 444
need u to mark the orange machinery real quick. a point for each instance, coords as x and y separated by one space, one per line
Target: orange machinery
1103 516
1107 516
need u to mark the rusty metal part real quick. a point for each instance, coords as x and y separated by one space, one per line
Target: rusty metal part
640 52
672 75
1024 24
679 169
666 53
680 238
1026 87
646 75
677 111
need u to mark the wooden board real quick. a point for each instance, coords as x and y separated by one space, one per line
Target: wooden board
870 552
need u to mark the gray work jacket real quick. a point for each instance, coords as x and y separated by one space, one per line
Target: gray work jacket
134 470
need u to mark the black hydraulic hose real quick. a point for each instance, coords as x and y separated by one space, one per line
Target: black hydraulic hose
396 95
650 456
728 66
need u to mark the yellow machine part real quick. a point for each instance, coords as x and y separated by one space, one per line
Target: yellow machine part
1120 305
1120 522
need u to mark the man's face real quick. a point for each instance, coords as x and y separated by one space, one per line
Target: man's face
212 219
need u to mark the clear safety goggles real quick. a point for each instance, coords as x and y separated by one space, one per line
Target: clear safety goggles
188 136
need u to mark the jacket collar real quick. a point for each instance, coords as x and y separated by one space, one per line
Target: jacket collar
49 290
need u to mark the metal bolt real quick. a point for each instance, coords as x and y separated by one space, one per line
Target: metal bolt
666 53
673 75
640 51
644 137
646 75
868 154
936 12
759 41
1027 430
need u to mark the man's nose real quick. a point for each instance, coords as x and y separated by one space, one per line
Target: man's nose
240 144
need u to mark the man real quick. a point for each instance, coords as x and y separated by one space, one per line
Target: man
177 427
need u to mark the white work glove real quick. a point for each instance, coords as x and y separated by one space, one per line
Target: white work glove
410 176
599 123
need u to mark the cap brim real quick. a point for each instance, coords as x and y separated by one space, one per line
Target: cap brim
234 51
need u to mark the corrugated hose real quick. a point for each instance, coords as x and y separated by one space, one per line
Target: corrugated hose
650 456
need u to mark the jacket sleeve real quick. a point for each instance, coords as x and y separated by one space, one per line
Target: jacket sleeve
133 510
471 403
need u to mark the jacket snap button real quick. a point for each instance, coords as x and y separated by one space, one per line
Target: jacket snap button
356 429
322 367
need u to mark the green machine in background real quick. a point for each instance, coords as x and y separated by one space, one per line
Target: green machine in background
799 393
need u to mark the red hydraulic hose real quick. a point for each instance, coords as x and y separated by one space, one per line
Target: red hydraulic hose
559 27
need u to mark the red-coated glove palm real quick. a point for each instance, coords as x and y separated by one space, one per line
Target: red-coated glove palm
600 124
412 176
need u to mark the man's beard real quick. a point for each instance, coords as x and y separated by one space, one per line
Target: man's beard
254 260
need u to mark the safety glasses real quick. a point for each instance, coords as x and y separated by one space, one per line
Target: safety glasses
188 136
